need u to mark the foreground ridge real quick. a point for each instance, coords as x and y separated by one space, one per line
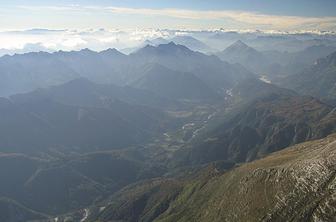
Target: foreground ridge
295 184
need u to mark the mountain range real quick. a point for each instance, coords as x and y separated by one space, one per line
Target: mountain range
317 80
43 121
295 184
26 72
169 133
272 63
271 120
186 40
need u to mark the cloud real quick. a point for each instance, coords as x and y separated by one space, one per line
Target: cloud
100 39
96 39
248 18
70 8
242 18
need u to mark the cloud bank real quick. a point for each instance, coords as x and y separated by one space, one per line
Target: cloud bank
53 40
100 39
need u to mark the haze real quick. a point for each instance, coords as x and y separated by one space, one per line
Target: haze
174 111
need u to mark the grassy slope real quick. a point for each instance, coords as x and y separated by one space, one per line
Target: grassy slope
295 184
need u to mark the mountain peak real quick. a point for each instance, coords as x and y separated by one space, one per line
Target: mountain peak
184 39
111 51
191 42
171 43
172 46
169 48
86 50
31 54
239 44
147 42
156 42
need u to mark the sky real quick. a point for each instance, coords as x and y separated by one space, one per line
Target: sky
73 24
172 14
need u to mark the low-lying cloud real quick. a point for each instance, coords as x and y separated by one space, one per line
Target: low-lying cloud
67 40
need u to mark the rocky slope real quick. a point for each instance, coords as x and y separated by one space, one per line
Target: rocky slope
295 184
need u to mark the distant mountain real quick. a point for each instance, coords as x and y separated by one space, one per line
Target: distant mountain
234 52
83 92
274 64
112 53
100 67
286 43
26 72
265 42
192 43
286 64
168 133
188 41
152 42
215 73
310 54
22 73
173 84
158 41
257 191
319 80
258 126
40 124
247 56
